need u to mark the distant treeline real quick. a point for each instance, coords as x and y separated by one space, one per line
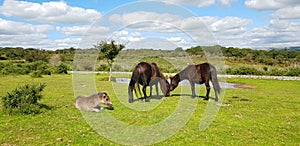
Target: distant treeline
270 57
35 62
18 60
32 55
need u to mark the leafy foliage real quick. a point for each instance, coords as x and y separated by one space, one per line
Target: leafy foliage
20 61
109 52
23 99
32 55
36 74
195 51
62 69
164 65
244 71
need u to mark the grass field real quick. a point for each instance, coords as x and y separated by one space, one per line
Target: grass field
266 115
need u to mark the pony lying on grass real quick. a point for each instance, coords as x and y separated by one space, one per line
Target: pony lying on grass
92 103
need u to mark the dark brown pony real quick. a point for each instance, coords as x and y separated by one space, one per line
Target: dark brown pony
147 74
200 73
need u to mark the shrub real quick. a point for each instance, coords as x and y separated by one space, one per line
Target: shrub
244 71
36 74
23 99
102 67
12 69
276 72
293 72
62 69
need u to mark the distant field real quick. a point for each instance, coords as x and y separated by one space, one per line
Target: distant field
268 114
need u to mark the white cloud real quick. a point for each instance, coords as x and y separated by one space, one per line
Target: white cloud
287 9
16 34
204 30
48 12
125 37
197 3
229 23
147 21
83 30
153 43
291 12
175 39
142 16
18 28
22 34
67 42
264 4
226 2
279 33
160 29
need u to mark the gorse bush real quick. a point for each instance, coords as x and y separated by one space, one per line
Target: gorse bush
272 72
36 74
62 69
24 99
244 71
293 72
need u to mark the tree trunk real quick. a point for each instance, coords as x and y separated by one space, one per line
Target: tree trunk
110 71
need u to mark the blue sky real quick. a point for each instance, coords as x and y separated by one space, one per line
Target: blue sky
168 24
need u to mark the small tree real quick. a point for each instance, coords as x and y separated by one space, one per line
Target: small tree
109 51
23 99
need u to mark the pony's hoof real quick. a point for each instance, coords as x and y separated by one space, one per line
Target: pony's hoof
205 98
130 101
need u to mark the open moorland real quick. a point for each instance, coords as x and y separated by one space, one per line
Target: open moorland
255 112
265 114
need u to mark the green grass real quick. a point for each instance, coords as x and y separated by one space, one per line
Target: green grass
266 115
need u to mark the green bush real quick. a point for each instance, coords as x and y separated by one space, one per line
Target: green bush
244 71
276 72
62 69
102 67
293 72
23 99
36 74
15 69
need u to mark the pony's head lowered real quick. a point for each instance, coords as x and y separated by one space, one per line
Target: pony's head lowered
174 82
165 86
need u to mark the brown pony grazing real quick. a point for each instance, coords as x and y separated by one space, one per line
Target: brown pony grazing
147 75
200 73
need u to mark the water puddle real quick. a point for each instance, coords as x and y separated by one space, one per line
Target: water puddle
182 83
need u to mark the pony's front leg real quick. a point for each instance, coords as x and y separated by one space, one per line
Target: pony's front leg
193 89
156 87
207 90
151 90
147 99
130 94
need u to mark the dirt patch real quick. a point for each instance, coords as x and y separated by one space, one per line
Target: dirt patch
243 86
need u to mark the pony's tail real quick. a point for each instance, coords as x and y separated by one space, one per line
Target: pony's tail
214 79
133 84
130 89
